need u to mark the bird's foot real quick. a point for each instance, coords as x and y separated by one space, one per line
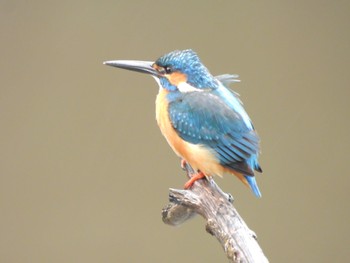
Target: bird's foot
194 178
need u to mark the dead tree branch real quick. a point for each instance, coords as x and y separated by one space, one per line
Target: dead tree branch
222 219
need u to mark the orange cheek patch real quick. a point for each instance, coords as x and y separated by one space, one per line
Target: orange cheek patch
155 66
176 78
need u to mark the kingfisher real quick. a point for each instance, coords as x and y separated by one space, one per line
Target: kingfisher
203 121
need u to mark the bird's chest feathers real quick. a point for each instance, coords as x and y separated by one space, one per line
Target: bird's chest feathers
162 107
164 123
162 114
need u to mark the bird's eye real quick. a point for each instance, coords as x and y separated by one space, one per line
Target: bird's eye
165 70
168 69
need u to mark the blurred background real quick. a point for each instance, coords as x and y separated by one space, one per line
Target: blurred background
84 170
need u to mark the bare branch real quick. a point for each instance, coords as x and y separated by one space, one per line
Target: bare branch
222 219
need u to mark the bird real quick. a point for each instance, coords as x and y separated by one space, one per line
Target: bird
202 119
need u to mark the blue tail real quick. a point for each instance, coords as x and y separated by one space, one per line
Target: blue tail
253 185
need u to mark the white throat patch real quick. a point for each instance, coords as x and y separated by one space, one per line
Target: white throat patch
182 87
185 87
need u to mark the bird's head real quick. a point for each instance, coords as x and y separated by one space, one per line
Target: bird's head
177 71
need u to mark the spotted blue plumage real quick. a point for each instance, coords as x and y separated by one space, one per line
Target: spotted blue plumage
203 118
216 119
187 62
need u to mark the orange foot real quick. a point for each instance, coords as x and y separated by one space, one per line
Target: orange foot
194 178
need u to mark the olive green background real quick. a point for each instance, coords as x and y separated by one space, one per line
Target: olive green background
84 170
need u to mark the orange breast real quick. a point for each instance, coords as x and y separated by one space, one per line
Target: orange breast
198 156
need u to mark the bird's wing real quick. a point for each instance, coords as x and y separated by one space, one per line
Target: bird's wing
206 119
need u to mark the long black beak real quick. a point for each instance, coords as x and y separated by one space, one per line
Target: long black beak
134 65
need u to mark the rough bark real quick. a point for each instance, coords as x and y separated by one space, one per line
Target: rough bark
222 219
